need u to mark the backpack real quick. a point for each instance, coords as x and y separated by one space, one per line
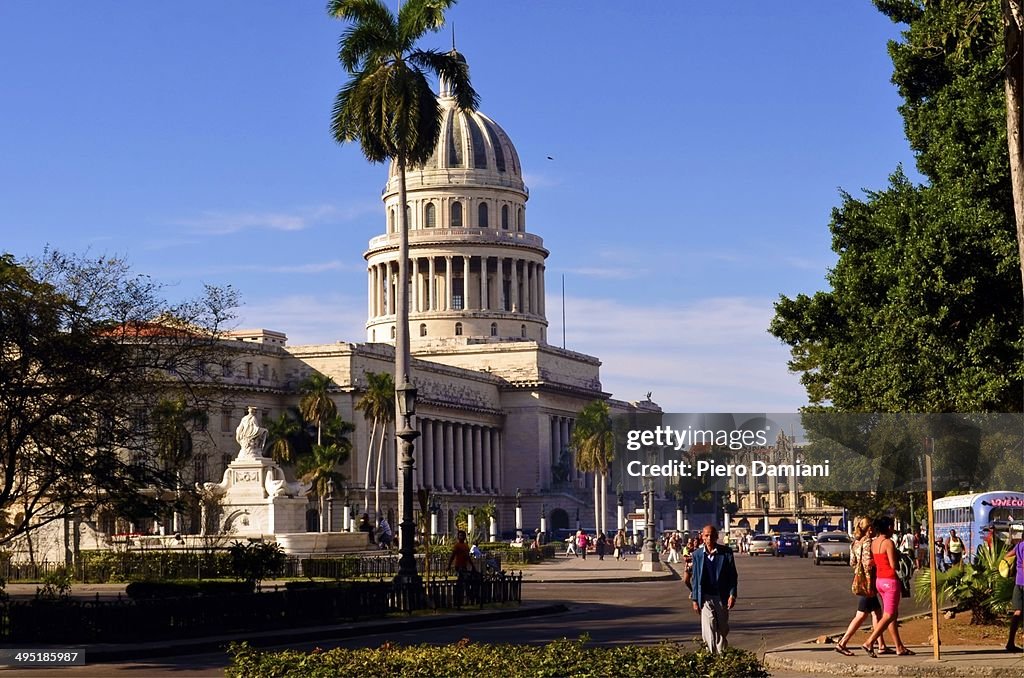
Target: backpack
904 572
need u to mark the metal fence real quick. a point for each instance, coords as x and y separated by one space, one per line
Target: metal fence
83 621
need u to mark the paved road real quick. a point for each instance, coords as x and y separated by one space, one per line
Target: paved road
782 600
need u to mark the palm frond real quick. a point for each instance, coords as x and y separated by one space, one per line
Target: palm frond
452 69
360 11
418 17
367 45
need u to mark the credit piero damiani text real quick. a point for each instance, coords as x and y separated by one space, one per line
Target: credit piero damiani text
711 469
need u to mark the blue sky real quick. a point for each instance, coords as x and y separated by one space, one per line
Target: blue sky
698 150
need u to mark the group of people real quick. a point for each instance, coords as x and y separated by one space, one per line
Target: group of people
578 544
382 536
949 552
875 553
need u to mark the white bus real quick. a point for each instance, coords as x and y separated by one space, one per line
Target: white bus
974 515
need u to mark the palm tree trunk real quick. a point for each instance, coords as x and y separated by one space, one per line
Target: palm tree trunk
604 503
376 484
369 461
1013 19
597 503
402 322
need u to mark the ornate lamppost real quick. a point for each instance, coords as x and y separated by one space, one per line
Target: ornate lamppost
543 523
405 398
649 560
345 524
435 508
330 506
519 515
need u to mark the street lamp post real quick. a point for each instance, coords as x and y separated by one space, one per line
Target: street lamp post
405 399
649 561
543 523
330 506
519 515
620 514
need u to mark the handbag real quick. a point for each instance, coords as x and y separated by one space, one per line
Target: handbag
861 581
862 584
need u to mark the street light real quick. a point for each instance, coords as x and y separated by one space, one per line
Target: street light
649 553
405 401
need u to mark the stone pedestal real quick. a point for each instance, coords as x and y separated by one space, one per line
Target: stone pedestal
255 499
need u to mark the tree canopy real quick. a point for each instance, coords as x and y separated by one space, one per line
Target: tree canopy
89 356
923 313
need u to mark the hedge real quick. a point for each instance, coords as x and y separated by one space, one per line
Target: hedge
184 589
558 658
117 566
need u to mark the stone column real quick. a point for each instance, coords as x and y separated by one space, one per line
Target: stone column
527 290
467 450
460 477
449 456
448 283
431 285
466 287
393 287
515 286
369 291
439 455
478 468
485 302
496 461
540 291
417 286
426 455
485 451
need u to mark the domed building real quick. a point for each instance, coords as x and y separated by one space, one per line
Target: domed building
475 271
496 402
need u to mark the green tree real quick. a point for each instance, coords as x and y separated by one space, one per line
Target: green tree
286 438
316 405
171 433
378 406
88 350
593 438
320 466
924 309
389 108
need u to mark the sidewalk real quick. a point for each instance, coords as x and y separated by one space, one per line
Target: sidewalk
822 659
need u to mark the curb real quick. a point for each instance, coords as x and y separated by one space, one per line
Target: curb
126 651
928 668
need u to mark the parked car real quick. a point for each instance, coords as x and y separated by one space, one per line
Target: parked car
762 544
808 540
789 545
832 546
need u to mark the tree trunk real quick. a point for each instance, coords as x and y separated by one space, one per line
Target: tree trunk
1013 21
369 462
597 503
402 324
604 502
376 482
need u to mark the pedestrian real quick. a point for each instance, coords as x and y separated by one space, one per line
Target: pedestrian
601 543
1017 598
714 581
867 604
570 546
619 542
461 561
675 544
365 526
955 548
883 554
581 543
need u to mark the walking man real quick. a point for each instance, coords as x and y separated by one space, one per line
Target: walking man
714 582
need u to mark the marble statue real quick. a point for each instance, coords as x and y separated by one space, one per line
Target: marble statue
250 436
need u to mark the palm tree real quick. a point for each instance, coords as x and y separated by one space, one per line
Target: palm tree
387 105
594 442
319 467
377 405
316 405
173 439
285 438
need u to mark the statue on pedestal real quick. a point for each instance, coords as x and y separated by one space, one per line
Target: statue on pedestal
250 436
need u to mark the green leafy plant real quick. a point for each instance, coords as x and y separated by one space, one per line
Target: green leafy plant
256 561
56 585
976 586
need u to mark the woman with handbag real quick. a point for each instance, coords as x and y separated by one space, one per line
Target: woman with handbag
863 586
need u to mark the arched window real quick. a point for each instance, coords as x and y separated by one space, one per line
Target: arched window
430 215
373 335
391 220
392 331
423 329
494 329
504 217
522 331
456 214
482 215
519 219
458 329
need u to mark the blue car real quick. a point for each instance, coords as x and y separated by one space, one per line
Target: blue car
790 545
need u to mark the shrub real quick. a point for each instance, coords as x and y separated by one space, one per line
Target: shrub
256 561
56 585
118 566
558 658
975 586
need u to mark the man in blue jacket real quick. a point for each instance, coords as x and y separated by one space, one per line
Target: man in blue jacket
714 588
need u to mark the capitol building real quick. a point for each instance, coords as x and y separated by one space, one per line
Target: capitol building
496 402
